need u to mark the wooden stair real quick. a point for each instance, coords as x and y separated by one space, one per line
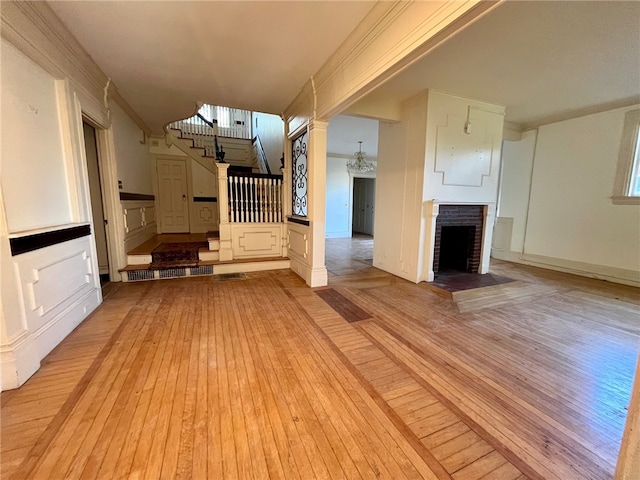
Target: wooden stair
139 262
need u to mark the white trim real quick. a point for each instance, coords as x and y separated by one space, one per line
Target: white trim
601 272
626 160
19 360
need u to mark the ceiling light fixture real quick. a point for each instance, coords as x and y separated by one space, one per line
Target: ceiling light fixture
360 163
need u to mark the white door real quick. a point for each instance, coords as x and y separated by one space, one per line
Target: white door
172 193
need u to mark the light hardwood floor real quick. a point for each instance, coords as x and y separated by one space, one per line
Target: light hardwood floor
371 377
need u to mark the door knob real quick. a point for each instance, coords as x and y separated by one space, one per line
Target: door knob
184 197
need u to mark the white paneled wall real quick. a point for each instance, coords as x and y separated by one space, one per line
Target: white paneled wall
139 222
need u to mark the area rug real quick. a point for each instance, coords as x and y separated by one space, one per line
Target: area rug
168 255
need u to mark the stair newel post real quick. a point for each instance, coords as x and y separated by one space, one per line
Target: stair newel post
226 253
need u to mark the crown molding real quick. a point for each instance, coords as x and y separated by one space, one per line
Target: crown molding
582 112
392 37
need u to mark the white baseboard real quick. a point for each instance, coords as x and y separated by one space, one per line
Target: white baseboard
583 269
18 361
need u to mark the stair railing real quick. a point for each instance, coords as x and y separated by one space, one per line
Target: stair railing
204 134
255 198
263 161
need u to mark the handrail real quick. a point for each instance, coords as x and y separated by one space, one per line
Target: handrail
210 123
220 153
261 153
255 175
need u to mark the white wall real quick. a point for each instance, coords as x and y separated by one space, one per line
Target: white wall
46 292
428 159
132 156
462 167
271 130
33 161
338 198
399 182
572 223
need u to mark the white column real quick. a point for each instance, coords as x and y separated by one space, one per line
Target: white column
317 165
432 209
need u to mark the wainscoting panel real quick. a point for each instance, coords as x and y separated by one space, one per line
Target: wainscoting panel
204 216
59 289
139 222
298 240
251 240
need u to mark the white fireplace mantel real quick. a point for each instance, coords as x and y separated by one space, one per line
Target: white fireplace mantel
431 209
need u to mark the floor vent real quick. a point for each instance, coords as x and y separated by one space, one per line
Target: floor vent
134 275
203 270
173 272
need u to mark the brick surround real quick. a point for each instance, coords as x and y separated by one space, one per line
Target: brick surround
461 216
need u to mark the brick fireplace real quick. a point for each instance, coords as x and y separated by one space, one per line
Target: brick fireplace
459 237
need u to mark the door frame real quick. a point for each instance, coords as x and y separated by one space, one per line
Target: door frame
112 210
156 187
353 175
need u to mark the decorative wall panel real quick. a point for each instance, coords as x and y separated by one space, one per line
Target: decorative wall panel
139 222
55 279
252 241
298 241
464 159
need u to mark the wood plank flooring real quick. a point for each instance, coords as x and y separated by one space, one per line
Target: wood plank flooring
373 377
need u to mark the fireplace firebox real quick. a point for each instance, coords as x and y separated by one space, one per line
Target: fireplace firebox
458 238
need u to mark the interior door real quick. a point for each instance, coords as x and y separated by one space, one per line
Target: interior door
363 205
172 193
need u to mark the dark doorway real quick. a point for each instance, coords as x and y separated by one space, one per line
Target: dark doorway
456 248
364 193
97 207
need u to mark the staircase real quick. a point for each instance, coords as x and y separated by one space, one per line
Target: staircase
140 261
251 233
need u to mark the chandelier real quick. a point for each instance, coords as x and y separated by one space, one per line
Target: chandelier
360 163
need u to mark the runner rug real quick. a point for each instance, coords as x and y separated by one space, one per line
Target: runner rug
168 255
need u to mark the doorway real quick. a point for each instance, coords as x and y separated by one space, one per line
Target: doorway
364 194
172 194
97 205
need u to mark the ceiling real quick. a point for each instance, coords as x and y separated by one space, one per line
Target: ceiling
541 59
164 56
344 132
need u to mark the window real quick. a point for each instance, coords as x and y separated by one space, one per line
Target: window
627 182
299 175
